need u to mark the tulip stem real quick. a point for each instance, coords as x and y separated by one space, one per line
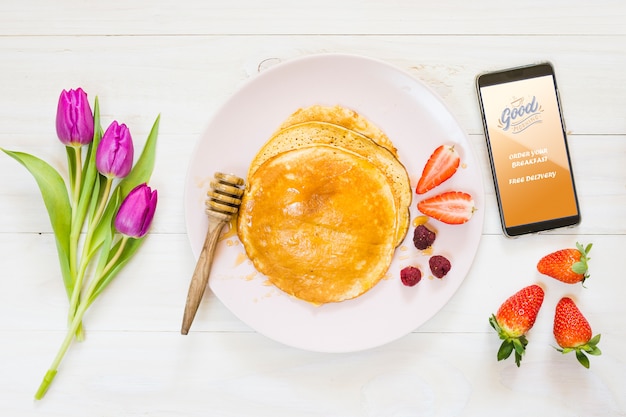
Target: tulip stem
75 228
75 299
79 173
75 324
52 371
85 258
71 332
103 201
115 257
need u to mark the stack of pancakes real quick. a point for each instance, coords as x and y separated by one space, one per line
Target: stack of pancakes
326 204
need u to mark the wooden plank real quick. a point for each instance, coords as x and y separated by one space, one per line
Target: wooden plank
242 17
160 374
186 79
150 293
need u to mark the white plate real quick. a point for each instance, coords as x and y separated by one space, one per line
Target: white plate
416 120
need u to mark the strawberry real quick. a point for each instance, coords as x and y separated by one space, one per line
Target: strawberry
573 332
566 265
441 165
452 207
515 317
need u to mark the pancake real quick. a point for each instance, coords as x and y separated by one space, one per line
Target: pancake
319 222
313 133
344 117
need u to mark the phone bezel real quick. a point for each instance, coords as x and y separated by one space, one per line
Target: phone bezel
512 75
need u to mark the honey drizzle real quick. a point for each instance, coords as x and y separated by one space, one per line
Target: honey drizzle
232 230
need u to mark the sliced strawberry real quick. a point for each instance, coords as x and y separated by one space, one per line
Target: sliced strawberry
452 207
441 165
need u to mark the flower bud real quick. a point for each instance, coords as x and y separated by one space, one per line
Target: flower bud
74 118
135 214
114 156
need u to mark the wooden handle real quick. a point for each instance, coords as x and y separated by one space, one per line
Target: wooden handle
200 276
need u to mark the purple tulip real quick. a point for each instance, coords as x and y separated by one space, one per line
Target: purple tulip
114 156
74 118
136 212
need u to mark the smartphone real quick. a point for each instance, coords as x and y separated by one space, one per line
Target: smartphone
528 152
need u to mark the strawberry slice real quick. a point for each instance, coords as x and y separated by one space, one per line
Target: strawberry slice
451 207
441 165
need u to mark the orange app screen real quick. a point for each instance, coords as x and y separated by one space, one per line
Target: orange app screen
528 150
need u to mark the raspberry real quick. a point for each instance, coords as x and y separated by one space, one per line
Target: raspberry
410 276
439 266
423 237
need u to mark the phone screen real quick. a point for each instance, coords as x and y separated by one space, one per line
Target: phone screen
528 149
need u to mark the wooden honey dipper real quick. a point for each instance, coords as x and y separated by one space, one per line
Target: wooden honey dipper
222 203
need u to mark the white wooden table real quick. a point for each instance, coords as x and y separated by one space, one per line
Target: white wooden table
182 59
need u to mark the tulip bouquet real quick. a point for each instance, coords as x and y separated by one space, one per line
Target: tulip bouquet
106 201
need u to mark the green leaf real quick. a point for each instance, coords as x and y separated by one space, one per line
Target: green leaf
104 234
142 171
107 234
520 345
54 192
506 348
584 250
94 200
71 165
132 245
582 358
594 350
494 323
579 267
104 229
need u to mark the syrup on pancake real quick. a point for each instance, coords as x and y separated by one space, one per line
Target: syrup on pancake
319 222
326 203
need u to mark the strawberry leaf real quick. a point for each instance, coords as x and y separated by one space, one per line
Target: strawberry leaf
520 345
579 267
509 344
494 323
584 250
594 350
582 358
591 346
506 348
594 340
